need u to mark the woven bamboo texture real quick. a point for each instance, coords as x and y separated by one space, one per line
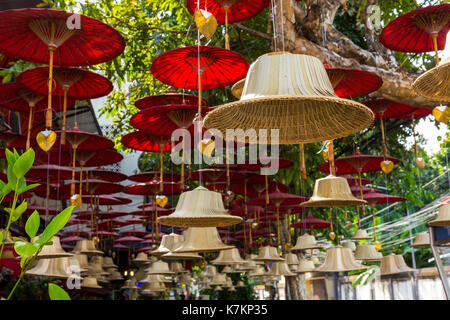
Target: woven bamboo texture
435 83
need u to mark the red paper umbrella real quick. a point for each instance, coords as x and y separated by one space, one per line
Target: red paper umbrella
41 209
153 188
152 175
357 189
380 198
103 233
354 181
106 175
119 246
87 141
27 35
71 239
133 220
73 222
95 187
240 10
310 222
149 206
353 83
388 109
71 83
180 67
168 99
216 175
142 141
52 172
355 163
147 214
2 153
102 158
282 163
255 232
13 140
114 223
10 197
134 232
164 120
107 200
418 31
101 214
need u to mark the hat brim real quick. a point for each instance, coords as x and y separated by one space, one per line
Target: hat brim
435 83
330 202
299 119
200 222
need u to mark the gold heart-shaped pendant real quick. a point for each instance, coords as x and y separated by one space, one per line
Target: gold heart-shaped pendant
288 246
206 147
325 154
75 201
420 163
46 139
442 113
348 224
206 23
377 245
332 235
161 201
387 166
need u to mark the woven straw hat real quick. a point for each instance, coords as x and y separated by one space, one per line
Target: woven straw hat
391 264
159 267
168 243
75 265
443 218
237 88
86 247
58 268
421 240
154 286
349 244
130 284
339 259
53 251
210 271
291 259
280 269
306 242
202 240
200 208
292 93
367 252
82 260
268 253
141 258
181 256
248 265
435 83
109 263
361 235
90 282
219 279
305 265
185 278
115 276
177 267
228 257
259 271
402 264
95 267
332 191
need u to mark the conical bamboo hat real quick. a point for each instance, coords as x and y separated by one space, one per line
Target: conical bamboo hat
237 88
248 265
185 278
227 269
339 259
90 282
268 253
154 278
349 244
159 267
7 254
115 276
53 251
305 265
130 284
141 258
210 271
421 240
367 252
391 264
177 267
58 268
86 247
75 265
228 257
259 271
154 286
280 269
82 260
291 258
361 235
401 264
202 240
435 83
200 208
332 191
240 284
219 279
291 93
306 242
443 218
181 256
95 268
168 243
109 263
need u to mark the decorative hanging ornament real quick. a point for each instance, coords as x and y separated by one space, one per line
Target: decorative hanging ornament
46 139
206 147
206 23
442 113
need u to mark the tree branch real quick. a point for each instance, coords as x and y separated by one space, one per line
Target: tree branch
253 32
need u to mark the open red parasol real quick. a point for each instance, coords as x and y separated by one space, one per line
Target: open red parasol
71 239
106 175
70 83
353 83
153 188
354 181
95 187
13 140
49 171
219 68
418 31
41 209
107 200
310 222
142 141
152 175
168 99
46 36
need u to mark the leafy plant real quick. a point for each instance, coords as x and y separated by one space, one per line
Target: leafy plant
18 166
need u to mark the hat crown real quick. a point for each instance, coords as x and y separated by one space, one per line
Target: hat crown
339 259
286 74
280 269
202 240
367 251
228 257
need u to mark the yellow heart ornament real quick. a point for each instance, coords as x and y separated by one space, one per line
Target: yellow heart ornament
46 139
206 23
75 201
387 166
420 163
161 201
332 235
206 147
377 245
442 113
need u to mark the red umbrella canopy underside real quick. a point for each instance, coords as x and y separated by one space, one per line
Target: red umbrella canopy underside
239 11
95 42
142 141
395 110
411 32
84 84
168 99
353 83
179 68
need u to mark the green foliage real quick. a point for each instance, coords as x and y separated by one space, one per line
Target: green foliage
57 293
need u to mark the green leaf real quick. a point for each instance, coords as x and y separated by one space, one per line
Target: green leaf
27 188
25 249
32 225
23 164
55 225
57 293
19 211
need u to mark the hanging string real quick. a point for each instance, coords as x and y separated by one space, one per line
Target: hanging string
274 26
282 23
